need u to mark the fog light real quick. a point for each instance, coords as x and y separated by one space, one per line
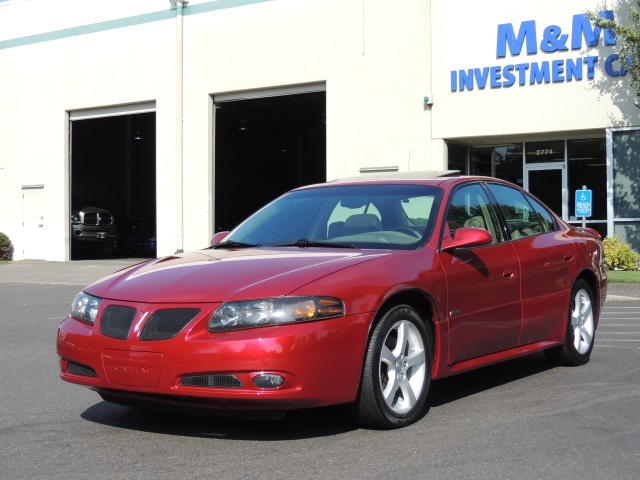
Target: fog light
268 380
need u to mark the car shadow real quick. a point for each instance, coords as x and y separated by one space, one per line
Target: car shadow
296 425
306 423
450 389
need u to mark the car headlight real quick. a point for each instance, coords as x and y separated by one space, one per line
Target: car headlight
85 307
273 311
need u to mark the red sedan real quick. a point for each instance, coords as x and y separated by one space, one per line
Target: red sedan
356 292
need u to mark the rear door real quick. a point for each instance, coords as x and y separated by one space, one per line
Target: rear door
483 283
547 259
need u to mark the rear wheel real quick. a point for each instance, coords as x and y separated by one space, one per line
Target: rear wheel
397 371
581 329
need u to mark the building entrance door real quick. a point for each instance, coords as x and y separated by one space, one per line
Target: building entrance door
548 182
33 231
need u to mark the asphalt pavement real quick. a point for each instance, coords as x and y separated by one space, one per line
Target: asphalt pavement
85 272
516 419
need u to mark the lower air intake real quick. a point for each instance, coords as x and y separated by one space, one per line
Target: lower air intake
83 370
212 381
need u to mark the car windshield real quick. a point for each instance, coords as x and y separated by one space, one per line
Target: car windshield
360 216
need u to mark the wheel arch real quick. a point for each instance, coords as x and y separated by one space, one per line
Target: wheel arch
421 302
592 281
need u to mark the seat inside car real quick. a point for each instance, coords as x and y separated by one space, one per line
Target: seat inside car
361 223
476 221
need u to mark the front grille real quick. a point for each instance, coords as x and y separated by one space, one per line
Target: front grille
116 321
98 219
212 381
83 370
166 323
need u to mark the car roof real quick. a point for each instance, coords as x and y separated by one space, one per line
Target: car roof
447 179
417 175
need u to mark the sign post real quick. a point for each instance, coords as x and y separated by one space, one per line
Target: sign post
583 204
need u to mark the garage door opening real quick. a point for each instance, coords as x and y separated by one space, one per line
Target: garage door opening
263 148
113 187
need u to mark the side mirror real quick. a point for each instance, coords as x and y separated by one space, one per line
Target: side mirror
218 237
467 237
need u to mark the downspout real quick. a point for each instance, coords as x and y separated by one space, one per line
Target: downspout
180 6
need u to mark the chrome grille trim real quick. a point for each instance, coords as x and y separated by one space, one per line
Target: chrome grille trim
98 219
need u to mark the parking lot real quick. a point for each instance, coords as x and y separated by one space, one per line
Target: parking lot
521 419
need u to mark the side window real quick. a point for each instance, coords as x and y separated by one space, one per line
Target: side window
470 207
546 219
522 220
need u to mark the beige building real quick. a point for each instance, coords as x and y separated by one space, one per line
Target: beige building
181 118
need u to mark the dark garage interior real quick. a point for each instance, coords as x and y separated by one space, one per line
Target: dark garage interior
263 148
113 168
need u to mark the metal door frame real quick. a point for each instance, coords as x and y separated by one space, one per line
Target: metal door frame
530 167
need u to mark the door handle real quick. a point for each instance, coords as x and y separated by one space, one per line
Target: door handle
569 256
509 273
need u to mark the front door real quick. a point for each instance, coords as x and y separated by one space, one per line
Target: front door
483 305
548 182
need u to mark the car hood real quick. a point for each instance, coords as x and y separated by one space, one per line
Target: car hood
221 275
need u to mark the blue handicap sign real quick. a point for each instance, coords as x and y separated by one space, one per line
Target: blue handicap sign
583 203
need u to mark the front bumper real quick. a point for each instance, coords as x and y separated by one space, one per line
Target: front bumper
93 233
321 362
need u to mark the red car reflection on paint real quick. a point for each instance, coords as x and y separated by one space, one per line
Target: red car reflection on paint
356 292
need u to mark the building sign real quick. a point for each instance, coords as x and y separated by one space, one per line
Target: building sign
531 39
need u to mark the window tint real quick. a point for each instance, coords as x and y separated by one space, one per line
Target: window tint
546 219
341 212
365 216
470 207
522 220
417 209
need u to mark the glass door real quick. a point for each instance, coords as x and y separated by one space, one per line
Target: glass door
548 182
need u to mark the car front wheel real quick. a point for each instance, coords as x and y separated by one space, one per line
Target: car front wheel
397 371
581 329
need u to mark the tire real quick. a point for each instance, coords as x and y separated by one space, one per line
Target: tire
581 329
397 371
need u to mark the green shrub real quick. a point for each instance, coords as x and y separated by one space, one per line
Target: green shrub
6 248
618 255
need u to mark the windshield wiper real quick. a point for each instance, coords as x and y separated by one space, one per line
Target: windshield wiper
234 244
304 243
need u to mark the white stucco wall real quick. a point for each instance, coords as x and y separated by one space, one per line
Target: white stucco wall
377 60
372 56
44 79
